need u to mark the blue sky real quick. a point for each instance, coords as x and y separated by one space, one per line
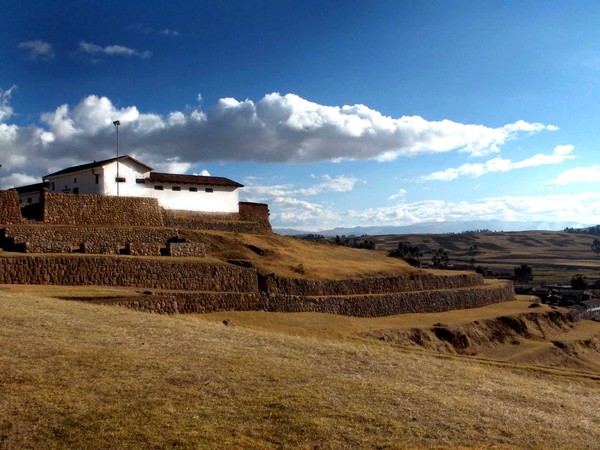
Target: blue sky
335 113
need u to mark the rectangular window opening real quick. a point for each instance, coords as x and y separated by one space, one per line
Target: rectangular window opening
97 178
176 188
120 179
209 190
140 180
193 189
158 188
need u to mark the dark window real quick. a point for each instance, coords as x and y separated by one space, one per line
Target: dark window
29 200
140 180
158 188
53 188
74 180
75 190
193 189
97 178
176 188
120 179
208 190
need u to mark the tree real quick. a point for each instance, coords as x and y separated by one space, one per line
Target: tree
440 259
596 246
409 253
579 282
523 273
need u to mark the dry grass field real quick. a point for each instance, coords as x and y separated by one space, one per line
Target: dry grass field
76 375
295 258
554 256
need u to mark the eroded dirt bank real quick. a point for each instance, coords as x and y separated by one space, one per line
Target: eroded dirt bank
547 337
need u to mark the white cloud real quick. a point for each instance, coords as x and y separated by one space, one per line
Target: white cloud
560 154
340 183
287 209
282 129
5 109
18 179
578 175
278 128
112 50
203 173
584 208
398 195
38 50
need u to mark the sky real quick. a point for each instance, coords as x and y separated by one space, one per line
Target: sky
335 113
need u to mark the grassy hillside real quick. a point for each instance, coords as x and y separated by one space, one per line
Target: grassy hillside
295 258
555 256
74 375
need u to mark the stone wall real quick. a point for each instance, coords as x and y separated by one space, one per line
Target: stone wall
193 220
256 212
359 306
416 281
84 209
109 248
40 238
186 249
84 270
142 249
10 212
399 303
194 303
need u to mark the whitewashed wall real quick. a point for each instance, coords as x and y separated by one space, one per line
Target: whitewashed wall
222 199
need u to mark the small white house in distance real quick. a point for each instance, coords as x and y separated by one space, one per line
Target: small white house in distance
127 177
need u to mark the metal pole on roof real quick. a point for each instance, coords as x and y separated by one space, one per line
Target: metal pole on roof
116 123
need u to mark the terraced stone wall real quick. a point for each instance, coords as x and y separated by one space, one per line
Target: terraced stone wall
399 303
193 303
359 306
416 281
10 212
51 238
84 209
83 270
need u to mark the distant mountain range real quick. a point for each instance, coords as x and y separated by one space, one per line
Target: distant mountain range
437 228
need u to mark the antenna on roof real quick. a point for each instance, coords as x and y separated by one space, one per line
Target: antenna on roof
116 123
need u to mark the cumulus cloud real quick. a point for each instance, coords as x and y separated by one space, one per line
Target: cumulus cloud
578 175
560 154
277 128
112 50
38 50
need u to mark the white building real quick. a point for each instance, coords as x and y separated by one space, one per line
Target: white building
127 177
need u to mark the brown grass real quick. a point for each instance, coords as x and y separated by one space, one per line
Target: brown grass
555 256
284 255
74 375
